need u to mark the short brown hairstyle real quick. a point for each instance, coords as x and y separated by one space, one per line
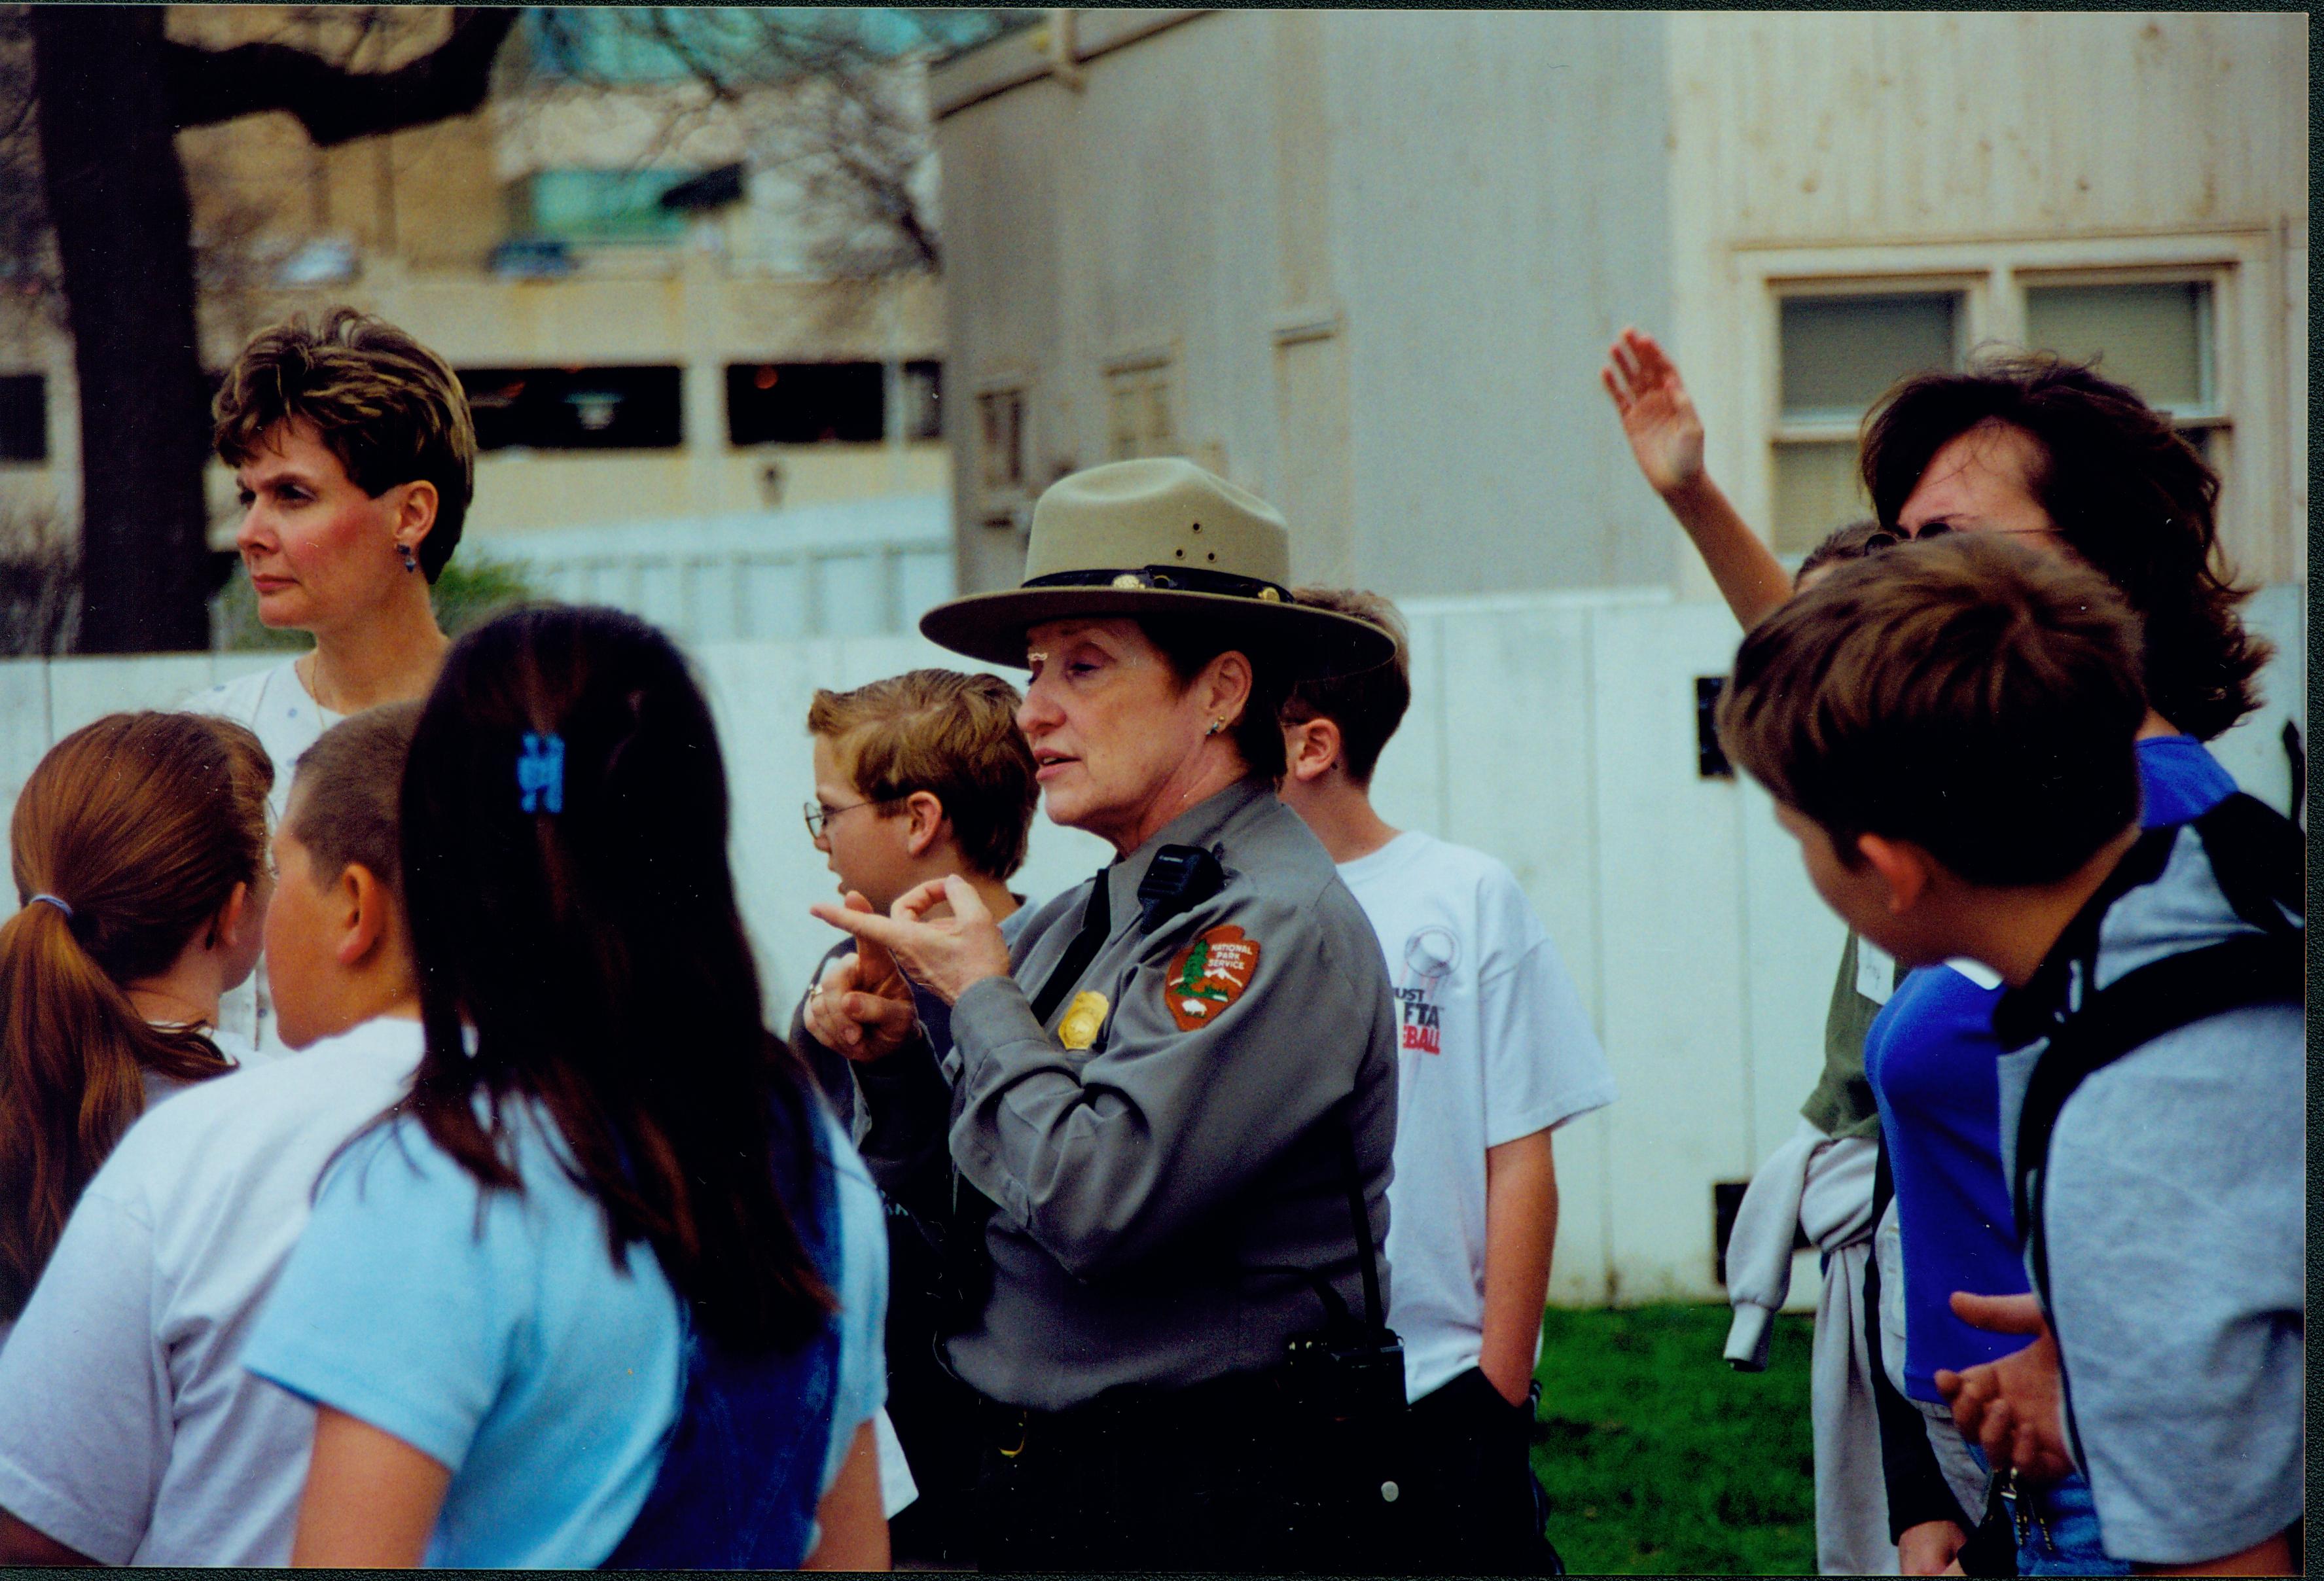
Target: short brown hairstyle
1188 643
345 791
391 410
1368 705
1968 694
950 734
2125 488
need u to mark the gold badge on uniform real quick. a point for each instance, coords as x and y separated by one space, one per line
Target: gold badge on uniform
1209 975
1084 1017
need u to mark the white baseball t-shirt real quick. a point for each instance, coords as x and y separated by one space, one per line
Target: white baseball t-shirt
1494 1044
128 1429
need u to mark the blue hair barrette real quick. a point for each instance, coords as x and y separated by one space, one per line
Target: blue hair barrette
541 773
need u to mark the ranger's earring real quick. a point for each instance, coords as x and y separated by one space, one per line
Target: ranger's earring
404 549
1216 726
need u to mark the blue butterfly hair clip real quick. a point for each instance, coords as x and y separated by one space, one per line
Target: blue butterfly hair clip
541 773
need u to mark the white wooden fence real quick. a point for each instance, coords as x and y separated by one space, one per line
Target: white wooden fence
1556 731
851 569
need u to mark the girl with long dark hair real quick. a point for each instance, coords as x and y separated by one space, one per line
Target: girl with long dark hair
610 1288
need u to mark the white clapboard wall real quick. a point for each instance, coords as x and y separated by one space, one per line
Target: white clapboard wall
1555 730
848 568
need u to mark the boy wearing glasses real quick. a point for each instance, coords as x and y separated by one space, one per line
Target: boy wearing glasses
918 776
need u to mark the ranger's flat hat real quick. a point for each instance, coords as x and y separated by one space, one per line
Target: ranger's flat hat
1159 537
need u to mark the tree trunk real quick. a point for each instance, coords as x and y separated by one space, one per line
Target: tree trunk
117 198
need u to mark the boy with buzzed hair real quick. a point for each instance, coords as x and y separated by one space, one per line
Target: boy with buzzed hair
1950 733
1495 1053
129 1432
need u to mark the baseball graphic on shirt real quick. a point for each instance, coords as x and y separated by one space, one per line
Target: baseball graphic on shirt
1429 957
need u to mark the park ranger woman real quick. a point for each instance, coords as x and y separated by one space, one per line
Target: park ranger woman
1160 1142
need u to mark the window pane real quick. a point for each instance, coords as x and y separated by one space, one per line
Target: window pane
605 205
2155 338
923 400
1840 353
575 409
24 416
1816 491
1159 439
1121 404
1001 416
806 403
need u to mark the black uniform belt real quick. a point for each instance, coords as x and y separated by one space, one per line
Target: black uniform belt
1214 1406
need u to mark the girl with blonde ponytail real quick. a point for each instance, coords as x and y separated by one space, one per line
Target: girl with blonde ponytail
140 858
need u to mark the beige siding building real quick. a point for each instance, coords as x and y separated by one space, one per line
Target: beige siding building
630 363
1368 262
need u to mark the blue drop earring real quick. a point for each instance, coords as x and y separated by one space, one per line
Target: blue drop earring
404 549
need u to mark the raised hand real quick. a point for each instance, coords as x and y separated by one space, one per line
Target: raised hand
2011 1407
947 955
863 1007
1657 415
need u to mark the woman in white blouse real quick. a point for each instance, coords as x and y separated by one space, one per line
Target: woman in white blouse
356 457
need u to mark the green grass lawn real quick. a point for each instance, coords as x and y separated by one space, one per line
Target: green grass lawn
1659 1458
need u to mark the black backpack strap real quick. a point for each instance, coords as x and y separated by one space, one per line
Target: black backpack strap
2160 997
2260 860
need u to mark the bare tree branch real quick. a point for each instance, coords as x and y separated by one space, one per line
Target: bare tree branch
334 104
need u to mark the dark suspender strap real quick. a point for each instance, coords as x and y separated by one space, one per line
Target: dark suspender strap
2250 969
1097 924
1368 1260
964 1265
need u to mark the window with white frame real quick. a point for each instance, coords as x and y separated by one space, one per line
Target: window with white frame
2157 337
1137 408
1841 341
1837 354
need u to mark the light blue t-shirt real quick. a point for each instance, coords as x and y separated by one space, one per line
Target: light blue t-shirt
2176 1231
507 1346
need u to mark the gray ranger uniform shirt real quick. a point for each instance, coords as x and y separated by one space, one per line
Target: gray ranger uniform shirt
1163 1187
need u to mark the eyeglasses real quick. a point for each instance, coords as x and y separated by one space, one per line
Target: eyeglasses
819 817
1940 528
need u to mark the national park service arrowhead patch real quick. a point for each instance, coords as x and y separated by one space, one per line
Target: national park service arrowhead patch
1209 975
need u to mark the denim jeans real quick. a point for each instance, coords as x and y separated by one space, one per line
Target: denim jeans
2059 1530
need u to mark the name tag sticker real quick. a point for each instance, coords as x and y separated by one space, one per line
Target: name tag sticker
1875 972
1208 975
